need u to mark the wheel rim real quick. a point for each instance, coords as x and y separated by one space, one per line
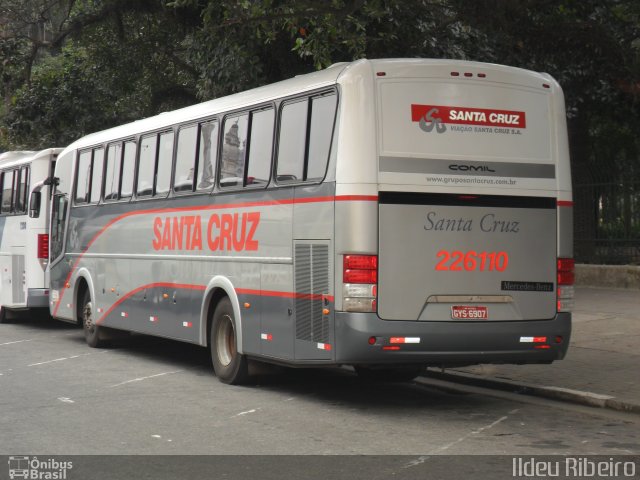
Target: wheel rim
226 341
87 316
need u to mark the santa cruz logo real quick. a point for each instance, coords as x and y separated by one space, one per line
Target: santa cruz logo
429 121
430 117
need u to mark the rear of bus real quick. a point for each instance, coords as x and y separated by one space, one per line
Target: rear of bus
466 255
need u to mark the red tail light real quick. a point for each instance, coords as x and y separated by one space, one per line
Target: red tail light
360 269
566 271
566 279
360 277
43 245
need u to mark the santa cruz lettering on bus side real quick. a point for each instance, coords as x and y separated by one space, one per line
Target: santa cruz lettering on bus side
227 231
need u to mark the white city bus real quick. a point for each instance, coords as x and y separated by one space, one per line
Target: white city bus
24 236
385 214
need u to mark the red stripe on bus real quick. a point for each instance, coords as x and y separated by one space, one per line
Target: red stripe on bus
272 293
565 203
287 201
184 286
187 286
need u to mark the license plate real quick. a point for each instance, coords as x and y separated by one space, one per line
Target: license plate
469 313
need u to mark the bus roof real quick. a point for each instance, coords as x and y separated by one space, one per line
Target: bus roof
254 96
10 159
336 73
7 157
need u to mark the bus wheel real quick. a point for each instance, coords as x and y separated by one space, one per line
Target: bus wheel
92 333
387 374
3 314
229 365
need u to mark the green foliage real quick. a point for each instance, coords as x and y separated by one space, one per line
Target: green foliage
122 60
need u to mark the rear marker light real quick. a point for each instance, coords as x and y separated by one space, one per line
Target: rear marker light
404 340
542 347
381 74
455 74
533 339
482 75
372 340
153 318
558 339
266 336
187 324
324 346
43 245
124 314
546 85
468 74
391 348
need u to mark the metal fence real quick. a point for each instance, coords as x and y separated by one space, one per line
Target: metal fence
607 221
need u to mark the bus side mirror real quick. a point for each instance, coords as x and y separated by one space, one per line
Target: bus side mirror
34 204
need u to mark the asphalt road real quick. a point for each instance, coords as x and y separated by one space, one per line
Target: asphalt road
152 396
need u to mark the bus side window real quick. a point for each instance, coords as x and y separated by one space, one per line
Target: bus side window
185 158
112 175
233 151
292 142
207 155
23 188
128 168
83 184
163 170
260 148
146 165
96 174
323 112
7 192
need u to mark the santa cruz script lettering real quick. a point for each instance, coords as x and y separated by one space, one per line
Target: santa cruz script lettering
489 223
226 231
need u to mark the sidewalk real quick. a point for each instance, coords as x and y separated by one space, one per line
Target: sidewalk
602 366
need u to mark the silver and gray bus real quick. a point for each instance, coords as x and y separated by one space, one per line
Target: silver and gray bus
386 214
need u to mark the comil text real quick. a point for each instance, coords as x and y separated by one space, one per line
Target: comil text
226 231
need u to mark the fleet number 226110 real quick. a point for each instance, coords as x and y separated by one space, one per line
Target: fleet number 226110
457 261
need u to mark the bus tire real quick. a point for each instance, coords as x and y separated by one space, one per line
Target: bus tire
229 365
387 374
92 332
3 314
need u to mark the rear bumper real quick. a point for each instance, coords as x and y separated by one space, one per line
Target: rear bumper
449 343
38 298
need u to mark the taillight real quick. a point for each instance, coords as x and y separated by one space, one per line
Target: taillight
43 245
566 280
360 288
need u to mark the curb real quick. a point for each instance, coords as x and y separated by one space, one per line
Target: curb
555 393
